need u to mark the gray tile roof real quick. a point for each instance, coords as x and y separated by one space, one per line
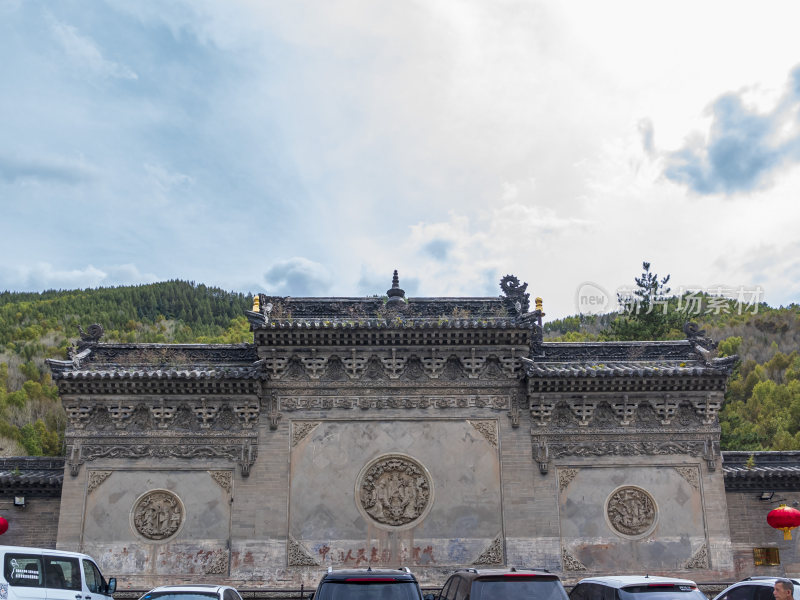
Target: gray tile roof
31 476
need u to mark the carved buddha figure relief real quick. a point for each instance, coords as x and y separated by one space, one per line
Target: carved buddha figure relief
394 491
631 511
157 515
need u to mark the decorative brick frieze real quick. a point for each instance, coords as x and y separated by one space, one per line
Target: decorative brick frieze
314 365
583 409
247 413
205 412
354 365
433 364
708 406
120 414
542 408
163 414
495 402
665 406
624 409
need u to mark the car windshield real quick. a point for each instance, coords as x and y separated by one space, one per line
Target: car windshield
502 587
368 590
175 595
661 591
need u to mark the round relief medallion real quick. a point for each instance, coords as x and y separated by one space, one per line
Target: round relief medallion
157 515
394 491
631 511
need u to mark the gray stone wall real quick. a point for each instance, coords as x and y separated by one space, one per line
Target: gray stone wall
35 525
749 529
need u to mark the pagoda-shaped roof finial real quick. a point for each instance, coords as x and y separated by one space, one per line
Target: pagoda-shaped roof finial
396 294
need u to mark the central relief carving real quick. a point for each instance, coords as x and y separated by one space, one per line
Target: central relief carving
631 511
395 491
157 515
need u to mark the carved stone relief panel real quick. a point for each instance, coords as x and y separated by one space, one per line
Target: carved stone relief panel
157 515
95 479
488 429
300 429
223 478
631 511
492 401
394 491
493 555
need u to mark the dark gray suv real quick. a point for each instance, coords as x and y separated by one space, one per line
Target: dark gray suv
368 584
500 584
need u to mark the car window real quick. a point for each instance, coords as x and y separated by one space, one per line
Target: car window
740 592
445 587
62 572
453 589
662 591
500 588
388 590
94 580
764 592
230 594
24 570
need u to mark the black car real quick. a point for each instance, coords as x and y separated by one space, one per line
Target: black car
368 584
636 587
500 584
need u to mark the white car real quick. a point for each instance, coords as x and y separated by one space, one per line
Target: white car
192 592
636 587
753 588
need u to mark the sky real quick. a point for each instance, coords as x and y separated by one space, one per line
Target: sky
309 148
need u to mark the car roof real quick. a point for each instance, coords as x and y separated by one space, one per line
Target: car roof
472 573
44 551
764 579
618 581
188 587
342 574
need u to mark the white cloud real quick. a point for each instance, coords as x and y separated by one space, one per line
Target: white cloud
44 276
297 276
85 53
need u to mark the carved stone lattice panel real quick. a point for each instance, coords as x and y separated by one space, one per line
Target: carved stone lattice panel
276 366
699 559
565 477
708 408
570 562
206 412
247 413
631 511
314 365
473 365
394 491
488 429
298 555
78 414
300 429
583 409
95 479
511 365
493 555
163 414
542 409
223 478
120 414
354 365
495 402
433 365
158 515
624 409
217 563
394 365
665 407
690 474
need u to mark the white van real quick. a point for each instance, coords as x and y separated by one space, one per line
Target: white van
40 574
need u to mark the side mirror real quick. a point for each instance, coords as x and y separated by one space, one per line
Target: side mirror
112 586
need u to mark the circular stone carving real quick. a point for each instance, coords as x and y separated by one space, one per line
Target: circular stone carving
395 491
157 515
631 511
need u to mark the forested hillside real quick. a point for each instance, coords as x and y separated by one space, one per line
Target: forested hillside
762 404
35 326
761 410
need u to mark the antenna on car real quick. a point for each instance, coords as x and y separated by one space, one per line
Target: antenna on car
369 567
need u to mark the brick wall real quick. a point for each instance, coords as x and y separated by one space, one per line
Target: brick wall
35 525
749 529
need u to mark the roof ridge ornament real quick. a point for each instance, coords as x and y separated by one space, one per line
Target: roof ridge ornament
397 295
517 299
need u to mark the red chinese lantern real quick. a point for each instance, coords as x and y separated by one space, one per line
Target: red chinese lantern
3 525
786 518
